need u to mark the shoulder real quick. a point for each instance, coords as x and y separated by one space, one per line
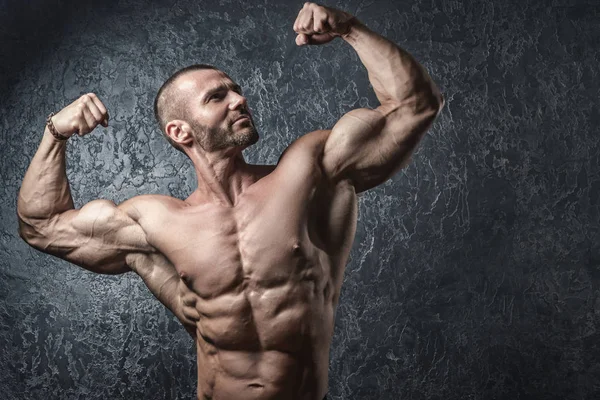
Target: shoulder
308 145
144 205
305 157
314 140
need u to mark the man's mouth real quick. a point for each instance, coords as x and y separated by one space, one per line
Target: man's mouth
242 118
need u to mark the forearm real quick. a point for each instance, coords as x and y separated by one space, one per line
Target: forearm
397 78
45 189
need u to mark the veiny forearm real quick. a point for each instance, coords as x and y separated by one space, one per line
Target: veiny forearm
396 76
45 189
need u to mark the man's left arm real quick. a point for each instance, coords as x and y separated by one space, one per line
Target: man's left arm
369 146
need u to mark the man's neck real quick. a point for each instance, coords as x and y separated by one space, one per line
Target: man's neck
222 177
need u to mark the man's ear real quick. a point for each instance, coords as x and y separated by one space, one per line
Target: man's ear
179 131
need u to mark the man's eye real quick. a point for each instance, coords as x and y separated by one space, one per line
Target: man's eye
216 96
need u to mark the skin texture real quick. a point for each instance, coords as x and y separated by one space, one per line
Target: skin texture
252 261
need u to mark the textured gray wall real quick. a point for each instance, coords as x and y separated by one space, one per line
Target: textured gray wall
475 272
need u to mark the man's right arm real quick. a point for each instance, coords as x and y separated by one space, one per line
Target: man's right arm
100 235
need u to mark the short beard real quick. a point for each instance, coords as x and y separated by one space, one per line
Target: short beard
214 139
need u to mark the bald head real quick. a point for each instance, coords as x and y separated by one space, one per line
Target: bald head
170 100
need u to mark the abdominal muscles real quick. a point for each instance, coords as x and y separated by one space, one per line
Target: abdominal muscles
268 332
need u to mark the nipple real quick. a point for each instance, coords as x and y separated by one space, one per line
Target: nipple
184 276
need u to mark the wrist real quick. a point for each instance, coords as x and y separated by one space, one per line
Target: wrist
55 133
52 138
355 30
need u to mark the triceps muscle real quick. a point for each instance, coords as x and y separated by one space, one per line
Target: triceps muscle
96 237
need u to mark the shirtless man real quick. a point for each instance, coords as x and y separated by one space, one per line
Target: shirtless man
252 261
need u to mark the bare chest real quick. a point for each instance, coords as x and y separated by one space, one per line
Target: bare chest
268 268
269 238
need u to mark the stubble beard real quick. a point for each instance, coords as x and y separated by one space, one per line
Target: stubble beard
213 139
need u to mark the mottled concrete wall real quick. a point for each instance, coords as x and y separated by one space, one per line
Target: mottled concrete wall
475 272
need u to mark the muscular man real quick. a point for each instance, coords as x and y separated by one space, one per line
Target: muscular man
252 261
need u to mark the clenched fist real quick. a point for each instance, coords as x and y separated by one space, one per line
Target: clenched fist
317 24
81 116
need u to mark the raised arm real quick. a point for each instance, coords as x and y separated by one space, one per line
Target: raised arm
99 236
369 146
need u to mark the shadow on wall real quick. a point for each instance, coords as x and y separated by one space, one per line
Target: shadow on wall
31 28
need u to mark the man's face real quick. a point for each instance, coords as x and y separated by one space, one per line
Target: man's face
216 111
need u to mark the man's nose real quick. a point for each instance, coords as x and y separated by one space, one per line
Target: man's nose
238 101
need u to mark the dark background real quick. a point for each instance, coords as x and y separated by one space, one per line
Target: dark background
475 272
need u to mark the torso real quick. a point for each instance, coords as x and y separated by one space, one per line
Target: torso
259 280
